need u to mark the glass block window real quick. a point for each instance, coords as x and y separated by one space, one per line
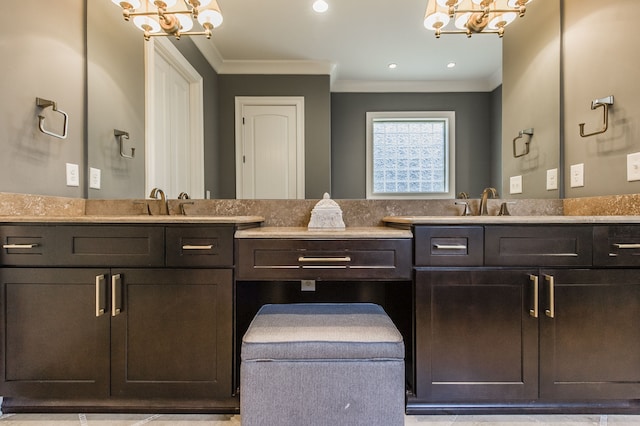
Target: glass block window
410 154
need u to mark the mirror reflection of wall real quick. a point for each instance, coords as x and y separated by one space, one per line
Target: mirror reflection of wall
50 65
41 58
600 58
531 101
115 100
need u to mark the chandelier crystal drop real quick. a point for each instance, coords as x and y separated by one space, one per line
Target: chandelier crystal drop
172 17
472 16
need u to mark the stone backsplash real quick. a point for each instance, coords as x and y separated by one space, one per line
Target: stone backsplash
298 212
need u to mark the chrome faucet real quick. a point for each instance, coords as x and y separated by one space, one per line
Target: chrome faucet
482 209
157 192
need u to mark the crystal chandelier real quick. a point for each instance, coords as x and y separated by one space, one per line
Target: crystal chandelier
164 17
472 16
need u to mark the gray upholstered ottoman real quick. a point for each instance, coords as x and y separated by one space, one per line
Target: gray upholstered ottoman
322 364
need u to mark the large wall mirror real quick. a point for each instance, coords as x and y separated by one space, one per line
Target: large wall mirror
530 98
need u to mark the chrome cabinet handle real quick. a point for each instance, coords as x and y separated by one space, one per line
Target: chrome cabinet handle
627 246
193 247
324 259
533 311
101 307
450 246
19 246
551 310
116 295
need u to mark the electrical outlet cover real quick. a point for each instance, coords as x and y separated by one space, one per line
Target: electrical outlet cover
633 167
515 185
73 175
577 175
94 178
552 179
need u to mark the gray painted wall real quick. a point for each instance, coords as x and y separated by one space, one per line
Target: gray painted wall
115 100
315 89
601 58
531 98
42 46
348 135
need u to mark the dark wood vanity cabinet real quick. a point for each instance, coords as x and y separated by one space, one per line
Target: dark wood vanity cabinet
115 320
530 328
53 345
324 259
475 338
173 335
590 346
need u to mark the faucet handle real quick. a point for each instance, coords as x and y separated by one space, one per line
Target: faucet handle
503 208
467 210
182 210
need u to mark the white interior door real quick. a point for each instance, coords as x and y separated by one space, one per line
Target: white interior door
175 138
269 148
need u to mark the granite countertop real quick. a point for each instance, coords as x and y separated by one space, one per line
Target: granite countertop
159 219
499 220
304 233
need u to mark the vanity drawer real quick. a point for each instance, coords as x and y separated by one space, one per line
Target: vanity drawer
120 245
545 245
449 245
288 259
616 245
31 245
200 246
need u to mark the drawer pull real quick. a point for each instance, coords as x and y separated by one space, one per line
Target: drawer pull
100 295
551 309
116 295
450 246
19 246
534 296
627 246
324 259
193 247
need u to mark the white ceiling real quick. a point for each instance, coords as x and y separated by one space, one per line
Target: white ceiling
354 41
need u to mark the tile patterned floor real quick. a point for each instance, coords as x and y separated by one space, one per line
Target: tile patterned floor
221 420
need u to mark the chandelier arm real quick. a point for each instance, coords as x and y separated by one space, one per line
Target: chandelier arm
466 33
188 33
177 12
459 11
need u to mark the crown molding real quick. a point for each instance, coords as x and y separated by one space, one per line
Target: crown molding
209 51
409 86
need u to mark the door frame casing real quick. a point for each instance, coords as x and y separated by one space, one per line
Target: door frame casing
298 103
172 55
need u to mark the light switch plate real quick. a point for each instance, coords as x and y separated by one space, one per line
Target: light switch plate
94 178
73 175
577 175
633 167
515 185
552 179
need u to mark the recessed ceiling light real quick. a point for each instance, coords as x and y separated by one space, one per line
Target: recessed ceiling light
451 65
393 66
320 6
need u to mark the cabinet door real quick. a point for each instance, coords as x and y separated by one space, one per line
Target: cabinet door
590 349
53 344
172 336
476 339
